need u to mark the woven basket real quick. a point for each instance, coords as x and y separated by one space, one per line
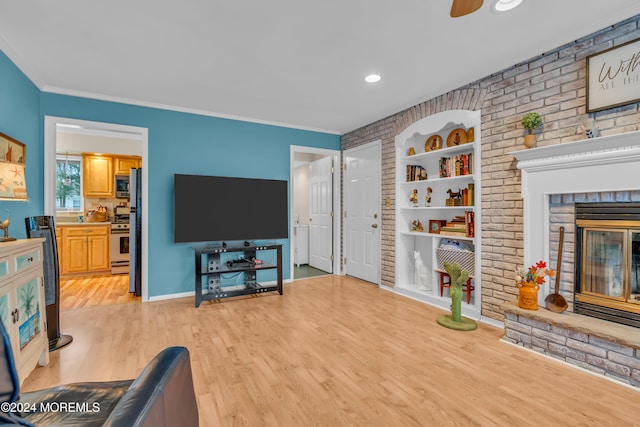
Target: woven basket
466 259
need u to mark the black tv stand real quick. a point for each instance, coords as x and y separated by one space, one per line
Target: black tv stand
210 266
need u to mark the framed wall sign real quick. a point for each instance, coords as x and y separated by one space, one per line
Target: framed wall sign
613 77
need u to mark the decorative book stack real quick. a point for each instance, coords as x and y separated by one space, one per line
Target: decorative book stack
456 166
460 226
416 173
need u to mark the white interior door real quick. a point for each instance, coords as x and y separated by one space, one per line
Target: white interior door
362 204
321 214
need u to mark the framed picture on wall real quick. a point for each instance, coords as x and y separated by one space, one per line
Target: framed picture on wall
613 77
11 150
12 174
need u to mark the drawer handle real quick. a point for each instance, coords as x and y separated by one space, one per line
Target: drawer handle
30 259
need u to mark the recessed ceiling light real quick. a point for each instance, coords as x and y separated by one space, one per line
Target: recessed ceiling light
505 5
373 78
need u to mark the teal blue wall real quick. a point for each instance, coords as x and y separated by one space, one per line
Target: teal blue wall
178 143
20 119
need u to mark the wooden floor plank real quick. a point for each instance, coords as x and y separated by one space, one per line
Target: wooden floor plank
89 291
336 351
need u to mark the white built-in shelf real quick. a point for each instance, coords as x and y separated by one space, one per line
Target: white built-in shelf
424 243
422 235
442 152
437 208
469 177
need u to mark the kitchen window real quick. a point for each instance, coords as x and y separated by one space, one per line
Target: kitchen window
68 190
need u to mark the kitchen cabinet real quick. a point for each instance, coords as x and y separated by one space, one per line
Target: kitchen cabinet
22 306
97 175
85 249
123 164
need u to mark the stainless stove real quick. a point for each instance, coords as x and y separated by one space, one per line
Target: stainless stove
120 241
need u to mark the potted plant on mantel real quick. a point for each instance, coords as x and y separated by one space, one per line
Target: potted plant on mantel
531 121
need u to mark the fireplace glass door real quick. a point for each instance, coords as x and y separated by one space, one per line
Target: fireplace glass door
611 264
635 267
604 263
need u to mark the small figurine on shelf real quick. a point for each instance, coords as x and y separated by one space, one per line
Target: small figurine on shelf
4 226
421 276
414 197
417 226
428 197
455 199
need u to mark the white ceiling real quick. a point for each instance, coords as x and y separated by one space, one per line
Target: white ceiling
295 63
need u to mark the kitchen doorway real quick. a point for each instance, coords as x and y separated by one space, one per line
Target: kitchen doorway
70 136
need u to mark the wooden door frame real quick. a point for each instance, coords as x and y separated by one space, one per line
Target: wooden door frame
97 128
337 204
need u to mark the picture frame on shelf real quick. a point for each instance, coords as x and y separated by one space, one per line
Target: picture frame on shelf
610 78
435 225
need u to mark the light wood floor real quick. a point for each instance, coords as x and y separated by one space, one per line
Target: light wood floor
88 291
335 351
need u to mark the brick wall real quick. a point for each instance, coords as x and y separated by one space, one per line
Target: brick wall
553 84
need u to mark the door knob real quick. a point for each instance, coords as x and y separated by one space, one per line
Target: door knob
374 225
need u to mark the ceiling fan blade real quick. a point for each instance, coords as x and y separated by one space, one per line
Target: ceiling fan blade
464 7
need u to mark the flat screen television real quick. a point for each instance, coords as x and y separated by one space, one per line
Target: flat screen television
222 209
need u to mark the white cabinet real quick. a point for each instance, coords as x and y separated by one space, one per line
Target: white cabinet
301 244
437 158
22 306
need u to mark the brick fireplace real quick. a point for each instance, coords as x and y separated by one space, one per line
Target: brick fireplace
600 171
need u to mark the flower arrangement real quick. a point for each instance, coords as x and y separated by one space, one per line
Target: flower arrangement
535 275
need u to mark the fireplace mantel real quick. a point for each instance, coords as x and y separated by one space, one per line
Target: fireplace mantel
604 164
579 152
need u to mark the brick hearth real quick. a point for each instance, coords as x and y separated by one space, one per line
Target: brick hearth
602 347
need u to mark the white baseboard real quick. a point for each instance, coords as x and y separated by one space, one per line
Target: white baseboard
172 296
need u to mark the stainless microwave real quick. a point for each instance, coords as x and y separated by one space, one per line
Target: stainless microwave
122 186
